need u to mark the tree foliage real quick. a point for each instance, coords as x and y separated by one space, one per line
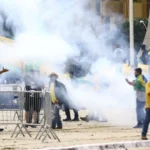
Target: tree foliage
139 31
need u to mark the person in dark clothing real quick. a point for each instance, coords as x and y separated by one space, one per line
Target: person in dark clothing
59 96
143 53
1 72
33 100
147 59
67 106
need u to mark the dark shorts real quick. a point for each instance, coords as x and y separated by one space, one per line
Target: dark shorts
33 102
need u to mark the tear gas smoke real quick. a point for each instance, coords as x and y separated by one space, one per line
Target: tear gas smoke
52 31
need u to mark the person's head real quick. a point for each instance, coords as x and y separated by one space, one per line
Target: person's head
71 73
143 47
117 46
138 71
53 77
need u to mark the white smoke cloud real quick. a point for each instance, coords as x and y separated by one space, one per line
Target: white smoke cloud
50 30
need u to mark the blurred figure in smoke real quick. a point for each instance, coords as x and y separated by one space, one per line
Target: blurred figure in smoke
139 87
70 105
96 115
148 60
118 57
146 57
142 54
58 94
1 72
33 101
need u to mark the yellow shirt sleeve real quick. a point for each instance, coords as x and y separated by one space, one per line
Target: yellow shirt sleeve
52 93
148 88
140 79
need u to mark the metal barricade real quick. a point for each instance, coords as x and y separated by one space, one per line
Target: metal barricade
9 100
48 113
10 111
10 104
32 106
26 109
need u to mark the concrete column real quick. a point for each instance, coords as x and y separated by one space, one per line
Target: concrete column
147 36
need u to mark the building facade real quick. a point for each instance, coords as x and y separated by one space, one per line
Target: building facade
110 8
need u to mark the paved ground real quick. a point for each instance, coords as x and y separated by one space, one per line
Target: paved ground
74 133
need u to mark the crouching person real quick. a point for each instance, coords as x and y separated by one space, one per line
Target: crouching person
58 95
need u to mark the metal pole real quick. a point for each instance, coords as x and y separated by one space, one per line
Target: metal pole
131 33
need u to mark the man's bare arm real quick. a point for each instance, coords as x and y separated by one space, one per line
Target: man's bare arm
130 83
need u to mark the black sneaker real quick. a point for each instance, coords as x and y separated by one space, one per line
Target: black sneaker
67 119
1 129
144 138
59 127
26 126
138 126
33 126
84 119
75 119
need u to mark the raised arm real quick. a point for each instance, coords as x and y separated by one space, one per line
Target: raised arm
130 83
4 70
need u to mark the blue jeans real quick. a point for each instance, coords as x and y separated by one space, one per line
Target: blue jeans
140 112
56 121
146 122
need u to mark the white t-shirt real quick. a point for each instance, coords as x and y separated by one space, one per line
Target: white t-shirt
140 95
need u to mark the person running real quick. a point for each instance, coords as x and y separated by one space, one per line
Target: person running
118 57
147 117
139 87
1 72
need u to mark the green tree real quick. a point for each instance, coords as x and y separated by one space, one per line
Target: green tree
139 32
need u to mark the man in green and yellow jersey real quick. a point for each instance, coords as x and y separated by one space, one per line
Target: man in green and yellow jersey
147 117
139 87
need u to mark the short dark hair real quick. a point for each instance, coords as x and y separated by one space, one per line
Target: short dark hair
138 70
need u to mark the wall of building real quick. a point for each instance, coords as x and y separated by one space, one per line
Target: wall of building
140 9
107 8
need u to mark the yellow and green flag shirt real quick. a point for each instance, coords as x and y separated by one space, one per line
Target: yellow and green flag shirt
52 93
139 83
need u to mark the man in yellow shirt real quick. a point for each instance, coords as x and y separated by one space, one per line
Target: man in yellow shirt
147 117
58 95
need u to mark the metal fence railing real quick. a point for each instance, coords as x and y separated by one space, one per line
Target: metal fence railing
26 109
48 113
